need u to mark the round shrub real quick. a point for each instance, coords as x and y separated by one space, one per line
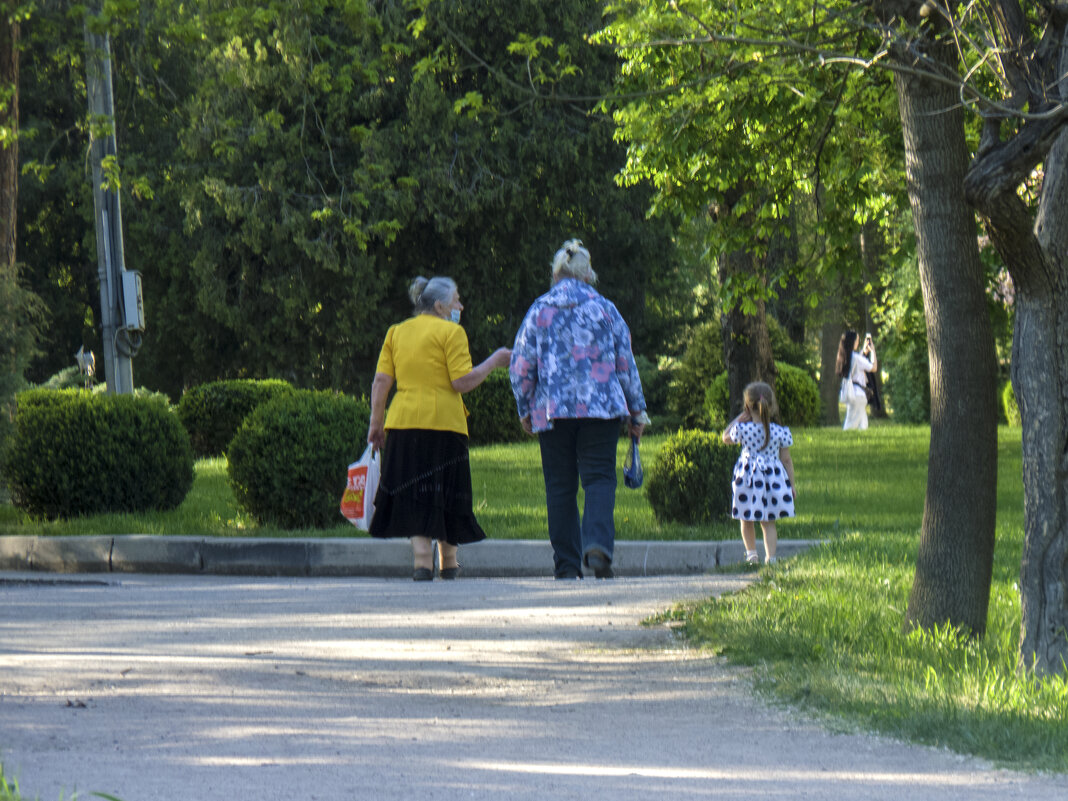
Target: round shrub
79 453
213 412
1008 403
493 416
798 396
288 461
795 390
690 479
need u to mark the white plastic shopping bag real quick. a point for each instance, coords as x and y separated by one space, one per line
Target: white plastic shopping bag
358 500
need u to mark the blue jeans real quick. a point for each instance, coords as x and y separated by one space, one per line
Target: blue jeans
571 450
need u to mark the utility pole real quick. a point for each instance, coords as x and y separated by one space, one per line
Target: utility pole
121 306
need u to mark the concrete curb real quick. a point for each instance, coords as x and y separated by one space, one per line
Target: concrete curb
142 553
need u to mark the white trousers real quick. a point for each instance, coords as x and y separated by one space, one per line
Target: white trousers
856 411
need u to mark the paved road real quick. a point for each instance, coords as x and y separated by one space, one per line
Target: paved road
153 688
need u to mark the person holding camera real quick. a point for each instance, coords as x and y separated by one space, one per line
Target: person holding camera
853 368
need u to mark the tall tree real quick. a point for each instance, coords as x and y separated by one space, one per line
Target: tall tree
955 559
718 117
706 70
1024 143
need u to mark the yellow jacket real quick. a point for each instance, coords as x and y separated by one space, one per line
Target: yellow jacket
425 354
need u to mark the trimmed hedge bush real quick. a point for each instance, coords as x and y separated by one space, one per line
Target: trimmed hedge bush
288 461
213 412
795 390
690 480
493 416
1008 403
79 453
798 396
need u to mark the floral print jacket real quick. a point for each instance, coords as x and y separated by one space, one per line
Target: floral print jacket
572 359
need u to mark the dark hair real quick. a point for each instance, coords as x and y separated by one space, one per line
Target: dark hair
845 353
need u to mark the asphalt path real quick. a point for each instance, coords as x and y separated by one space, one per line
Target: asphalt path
151 688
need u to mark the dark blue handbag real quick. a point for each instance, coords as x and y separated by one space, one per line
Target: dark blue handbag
632 466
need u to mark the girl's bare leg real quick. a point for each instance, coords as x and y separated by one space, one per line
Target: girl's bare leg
749 535
771 539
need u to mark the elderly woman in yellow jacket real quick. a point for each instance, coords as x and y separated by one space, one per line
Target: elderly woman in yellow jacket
424 492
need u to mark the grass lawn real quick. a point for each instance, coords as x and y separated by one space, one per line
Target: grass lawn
845 481
822 630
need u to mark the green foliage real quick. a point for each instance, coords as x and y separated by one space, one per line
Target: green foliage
785 350
213 412
908 383
492 411
656 382
21 315
289 168
1009 406
717 403
798 396
732 108
796 392
690 480
76 453
701 362
287 462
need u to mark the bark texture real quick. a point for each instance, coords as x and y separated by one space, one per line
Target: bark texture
746 347
1034 246
955 558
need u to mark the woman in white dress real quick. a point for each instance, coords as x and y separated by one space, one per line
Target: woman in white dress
853 368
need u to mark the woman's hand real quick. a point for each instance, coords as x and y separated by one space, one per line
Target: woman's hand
525 422
501 357
376 436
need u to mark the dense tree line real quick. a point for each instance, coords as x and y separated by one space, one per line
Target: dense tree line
287 169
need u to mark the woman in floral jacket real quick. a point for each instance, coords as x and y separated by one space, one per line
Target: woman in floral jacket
574 379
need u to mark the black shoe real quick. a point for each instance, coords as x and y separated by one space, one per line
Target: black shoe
568 575
422 574
449 573
600 564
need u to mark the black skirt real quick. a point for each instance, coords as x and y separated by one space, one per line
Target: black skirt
425 488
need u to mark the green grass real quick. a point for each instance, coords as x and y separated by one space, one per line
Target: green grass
824 630
509 496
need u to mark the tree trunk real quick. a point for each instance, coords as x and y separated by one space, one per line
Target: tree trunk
1036 255
746 347
9 153
955 559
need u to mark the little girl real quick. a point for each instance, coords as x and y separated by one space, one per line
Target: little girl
764 474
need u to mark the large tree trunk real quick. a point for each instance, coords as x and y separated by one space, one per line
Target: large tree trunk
9 153
955 559
746 347
1036 255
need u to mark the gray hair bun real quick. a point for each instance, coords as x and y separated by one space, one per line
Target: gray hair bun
572 260
424 293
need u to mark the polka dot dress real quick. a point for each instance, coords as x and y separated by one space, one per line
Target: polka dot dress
761 489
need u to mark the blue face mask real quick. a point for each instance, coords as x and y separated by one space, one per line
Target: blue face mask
454 315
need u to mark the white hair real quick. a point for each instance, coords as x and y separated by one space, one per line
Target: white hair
424 292
572 260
